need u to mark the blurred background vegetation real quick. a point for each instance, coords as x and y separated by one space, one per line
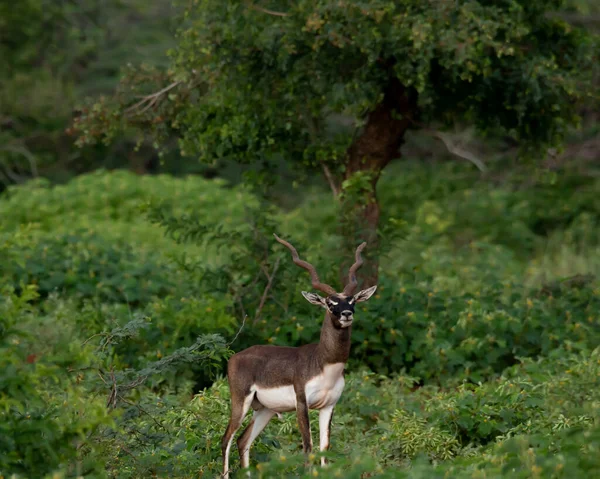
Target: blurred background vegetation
127 267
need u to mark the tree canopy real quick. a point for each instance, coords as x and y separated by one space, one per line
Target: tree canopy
264 78
333 86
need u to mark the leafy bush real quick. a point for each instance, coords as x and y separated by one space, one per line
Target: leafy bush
84 263
438 335
135 292
459 430
46 420
117 196
56 396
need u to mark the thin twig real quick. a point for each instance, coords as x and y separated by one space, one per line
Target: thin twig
269 12
241 304
314 135
152 98
263 299
92 337
127 451
11 174
73 370
102 377
112 397
135 383
141 409
239 330
279 303
335 188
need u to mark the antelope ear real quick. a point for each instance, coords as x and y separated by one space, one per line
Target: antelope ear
364 294
314 298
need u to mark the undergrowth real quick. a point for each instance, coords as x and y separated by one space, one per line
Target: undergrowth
122 297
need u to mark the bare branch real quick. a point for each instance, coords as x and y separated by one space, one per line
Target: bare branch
129 453
114 393
239 330
112 397
332 184
279 303
151 99
268 12
11 174
314 135
457 150
452 147
92 337
142 410
265 294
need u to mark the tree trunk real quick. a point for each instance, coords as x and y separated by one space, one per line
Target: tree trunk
377 145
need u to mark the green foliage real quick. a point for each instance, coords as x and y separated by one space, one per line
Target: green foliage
117 352
397 427
272 83
122 295
54 394
83 263
56 53
118 196
46 420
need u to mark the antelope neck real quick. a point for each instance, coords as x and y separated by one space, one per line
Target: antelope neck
334 346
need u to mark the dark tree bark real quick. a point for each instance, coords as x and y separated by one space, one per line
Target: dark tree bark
378 144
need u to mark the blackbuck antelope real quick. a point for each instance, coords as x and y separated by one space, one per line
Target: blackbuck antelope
276 379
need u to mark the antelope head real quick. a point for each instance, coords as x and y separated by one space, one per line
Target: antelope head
340 306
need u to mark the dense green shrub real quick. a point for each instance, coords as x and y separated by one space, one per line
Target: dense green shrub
451 199
441 335
86 264
46 419
136 286
117 196
63 395
396 424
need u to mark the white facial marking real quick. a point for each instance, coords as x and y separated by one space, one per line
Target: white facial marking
333 302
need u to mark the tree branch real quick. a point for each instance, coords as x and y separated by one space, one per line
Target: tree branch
11 174
263 299
239 330
268 12
331 180
151 99
452 147
142 410
314 135
457 150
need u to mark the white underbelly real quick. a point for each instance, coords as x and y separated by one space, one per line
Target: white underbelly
280 399
321 391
